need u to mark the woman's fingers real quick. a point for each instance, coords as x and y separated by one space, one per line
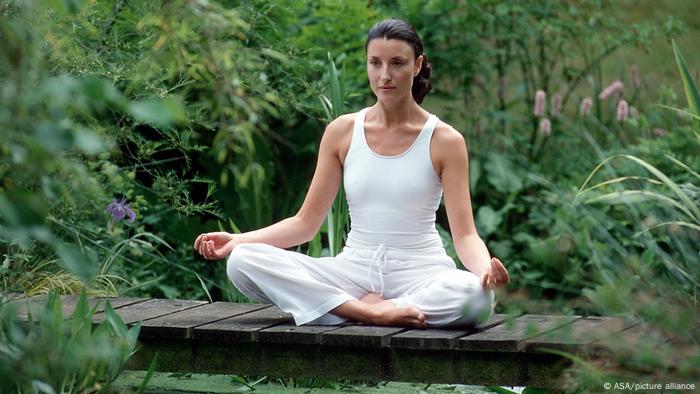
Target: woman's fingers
502 271
499 271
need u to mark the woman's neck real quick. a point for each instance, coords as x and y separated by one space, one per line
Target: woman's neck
396 113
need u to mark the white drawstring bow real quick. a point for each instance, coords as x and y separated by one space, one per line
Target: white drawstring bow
379 261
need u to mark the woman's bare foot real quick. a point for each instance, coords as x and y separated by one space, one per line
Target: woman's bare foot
381 313
408 316
372 298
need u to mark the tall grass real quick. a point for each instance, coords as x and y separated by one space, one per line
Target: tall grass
338 218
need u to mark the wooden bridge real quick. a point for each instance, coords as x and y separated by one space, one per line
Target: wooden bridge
257 339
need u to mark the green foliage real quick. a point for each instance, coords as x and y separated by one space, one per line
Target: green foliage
338 220
657 285
56 355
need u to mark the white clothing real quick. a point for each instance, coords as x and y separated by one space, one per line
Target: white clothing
393 247
392 199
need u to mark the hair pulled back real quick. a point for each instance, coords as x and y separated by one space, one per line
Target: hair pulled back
397 29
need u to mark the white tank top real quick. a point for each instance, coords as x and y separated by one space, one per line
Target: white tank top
392 199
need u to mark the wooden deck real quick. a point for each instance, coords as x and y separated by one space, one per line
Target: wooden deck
257 339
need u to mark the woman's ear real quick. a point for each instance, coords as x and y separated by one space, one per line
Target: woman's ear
418 65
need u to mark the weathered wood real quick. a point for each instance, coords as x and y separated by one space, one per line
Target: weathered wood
572 337
242 328
181 324
7 297
150 309
292 334
439 339
511 336
32 306
69 302
259 339
361 336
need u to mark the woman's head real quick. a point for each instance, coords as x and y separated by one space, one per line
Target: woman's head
393 49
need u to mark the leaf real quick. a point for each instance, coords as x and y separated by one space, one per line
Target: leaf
636 196
691 90
87 141
474 173
488 220
161 113
115 321
73 260
501 174
204 287
149 374
41 387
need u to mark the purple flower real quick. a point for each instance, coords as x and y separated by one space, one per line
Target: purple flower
120 210
611 89
540 97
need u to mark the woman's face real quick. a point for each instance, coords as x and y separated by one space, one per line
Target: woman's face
391 67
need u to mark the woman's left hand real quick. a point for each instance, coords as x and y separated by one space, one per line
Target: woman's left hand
496 275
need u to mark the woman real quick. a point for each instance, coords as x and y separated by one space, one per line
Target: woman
395 159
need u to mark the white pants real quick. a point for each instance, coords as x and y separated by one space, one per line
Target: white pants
308 287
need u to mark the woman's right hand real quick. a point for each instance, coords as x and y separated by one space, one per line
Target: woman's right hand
216 245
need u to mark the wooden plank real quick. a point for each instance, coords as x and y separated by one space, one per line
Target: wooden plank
242 328
439 339
181 324
150 309
572 337
29 306
34 305
360 336
293 334
7 297
511 336
69 302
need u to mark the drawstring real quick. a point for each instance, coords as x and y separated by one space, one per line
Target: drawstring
379 261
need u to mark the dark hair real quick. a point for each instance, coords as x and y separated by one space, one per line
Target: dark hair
401 30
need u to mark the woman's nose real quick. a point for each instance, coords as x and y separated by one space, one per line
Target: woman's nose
385 75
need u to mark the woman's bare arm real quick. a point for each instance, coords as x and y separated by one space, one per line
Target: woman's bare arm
305 224
324 187
451 150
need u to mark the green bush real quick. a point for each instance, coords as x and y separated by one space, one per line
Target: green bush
56 354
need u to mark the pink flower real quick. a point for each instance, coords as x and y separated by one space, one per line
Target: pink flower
540 98
622 110
609 90
556 105
586 105
545 127
635 76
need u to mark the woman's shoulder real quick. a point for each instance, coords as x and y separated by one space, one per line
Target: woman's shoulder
341 126
446 137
